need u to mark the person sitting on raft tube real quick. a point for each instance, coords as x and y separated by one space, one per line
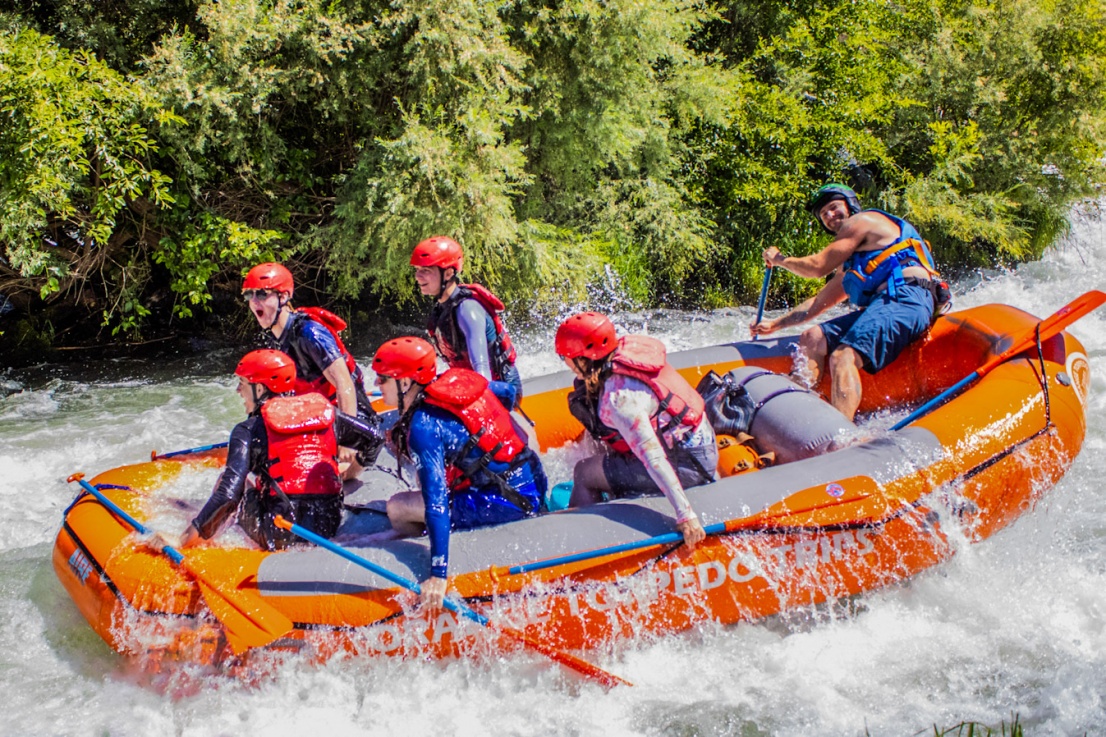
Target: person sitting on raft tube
290 443
880 264
464 323
310 336
473 464
628 396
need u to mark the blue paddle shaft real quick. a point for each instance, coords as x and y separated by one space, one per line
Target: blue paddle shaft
935 401
137 526
189 451
763 296
665 539
395 578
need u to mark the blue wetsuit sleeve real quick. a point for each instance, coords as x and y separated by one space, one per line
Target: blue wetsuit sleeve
473 321
506 393
224 500
428 451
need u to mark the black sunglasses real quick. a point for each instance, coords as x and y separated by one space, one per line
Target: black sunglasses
249 295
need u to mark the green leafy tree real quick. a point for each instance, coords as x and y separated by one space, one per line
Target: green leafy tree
76 183
152 151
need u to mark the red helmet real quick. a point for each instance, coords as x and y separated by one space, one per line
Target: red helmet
406 358
269 276
440 251
586 334
274 370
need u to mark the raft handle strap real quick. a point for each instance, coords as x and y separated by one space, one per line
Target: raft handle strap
1044 379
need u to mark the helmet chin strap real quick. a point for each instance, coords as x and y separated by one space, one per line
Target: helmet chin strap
258 398
281 301
443 283
401 408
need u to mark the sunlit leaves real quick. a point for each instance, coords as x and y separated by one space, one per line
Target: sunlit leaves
74 153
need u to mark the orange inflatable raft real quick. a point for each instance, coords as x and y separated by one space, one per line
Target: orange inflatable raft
795 534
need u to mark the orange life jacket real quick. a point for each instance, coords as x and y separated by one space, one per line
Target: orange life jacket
303 449
646 359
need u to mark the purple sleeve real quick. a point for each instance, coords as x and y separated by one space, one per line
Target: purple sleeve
428 451
473 321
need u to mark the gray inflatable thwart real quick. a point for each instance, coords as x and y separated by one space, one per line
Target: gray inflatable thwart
790 421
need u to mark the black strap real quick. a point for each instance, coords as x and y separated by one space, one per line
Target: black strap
786 390
676 419
479 466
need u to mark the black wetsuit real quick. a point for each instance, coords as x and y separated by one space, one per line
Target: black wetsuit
248 452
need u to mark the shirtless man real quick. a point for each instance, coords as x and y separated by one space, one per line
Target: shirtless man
880 264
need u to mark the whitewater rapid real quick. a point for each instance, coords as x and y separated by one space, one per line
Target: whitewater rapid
1013 625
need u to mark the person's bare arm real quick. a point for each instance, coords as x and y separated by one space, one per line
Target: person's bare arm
346 396
855 233
827 297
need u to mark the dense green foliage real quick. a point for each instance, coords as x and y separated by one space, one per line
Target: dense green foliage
150 151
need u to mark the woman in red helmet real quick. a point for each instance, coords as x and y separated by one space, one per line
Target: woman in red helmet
474 466
652 421
290 444
464 325
310 335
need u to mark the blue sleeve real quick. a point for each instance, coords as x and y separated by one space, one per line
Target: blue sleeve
224 500
314 348
427 448
473 321
506 393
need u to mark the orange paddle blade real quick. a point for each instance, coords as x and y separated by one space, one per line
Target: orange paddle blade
1050 326
579 665
246 618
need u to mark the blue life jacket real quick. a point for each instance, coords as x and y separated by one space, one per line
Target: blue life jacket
867 271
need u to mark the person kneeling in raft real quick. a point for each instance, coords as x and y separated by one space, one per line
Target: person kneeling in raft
629 397
473 464
290 444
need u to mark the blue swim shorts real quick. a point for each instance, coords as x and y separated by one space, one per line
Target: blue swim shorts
881 331
479 506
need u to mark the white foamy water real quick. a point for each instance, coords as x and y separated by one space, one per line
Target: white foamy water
1016 624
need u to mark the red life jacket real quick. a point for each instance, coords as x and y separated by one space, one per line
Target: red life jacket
303 450
465 394
450 341
334 326
645 359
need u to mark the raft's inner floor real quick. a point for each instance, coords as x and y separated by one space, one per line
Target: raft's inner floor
312 571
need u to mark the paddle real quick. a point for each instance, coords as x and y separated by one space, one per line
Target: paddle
580 666
247 620
763 296
1050 326
669 538
201 449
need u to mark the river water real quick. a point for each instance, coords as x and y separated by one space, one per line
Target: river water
1015 625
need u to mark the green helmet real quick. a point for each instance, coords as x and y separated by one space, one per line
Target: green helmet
829 193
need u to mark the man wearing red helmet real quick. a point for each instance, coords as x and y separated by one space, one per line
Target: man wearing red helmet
290 444
878 263
310 335
473 464
465 325
652 421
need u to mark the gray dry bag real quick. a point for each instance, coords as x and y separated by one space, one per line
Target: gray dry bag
783 418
